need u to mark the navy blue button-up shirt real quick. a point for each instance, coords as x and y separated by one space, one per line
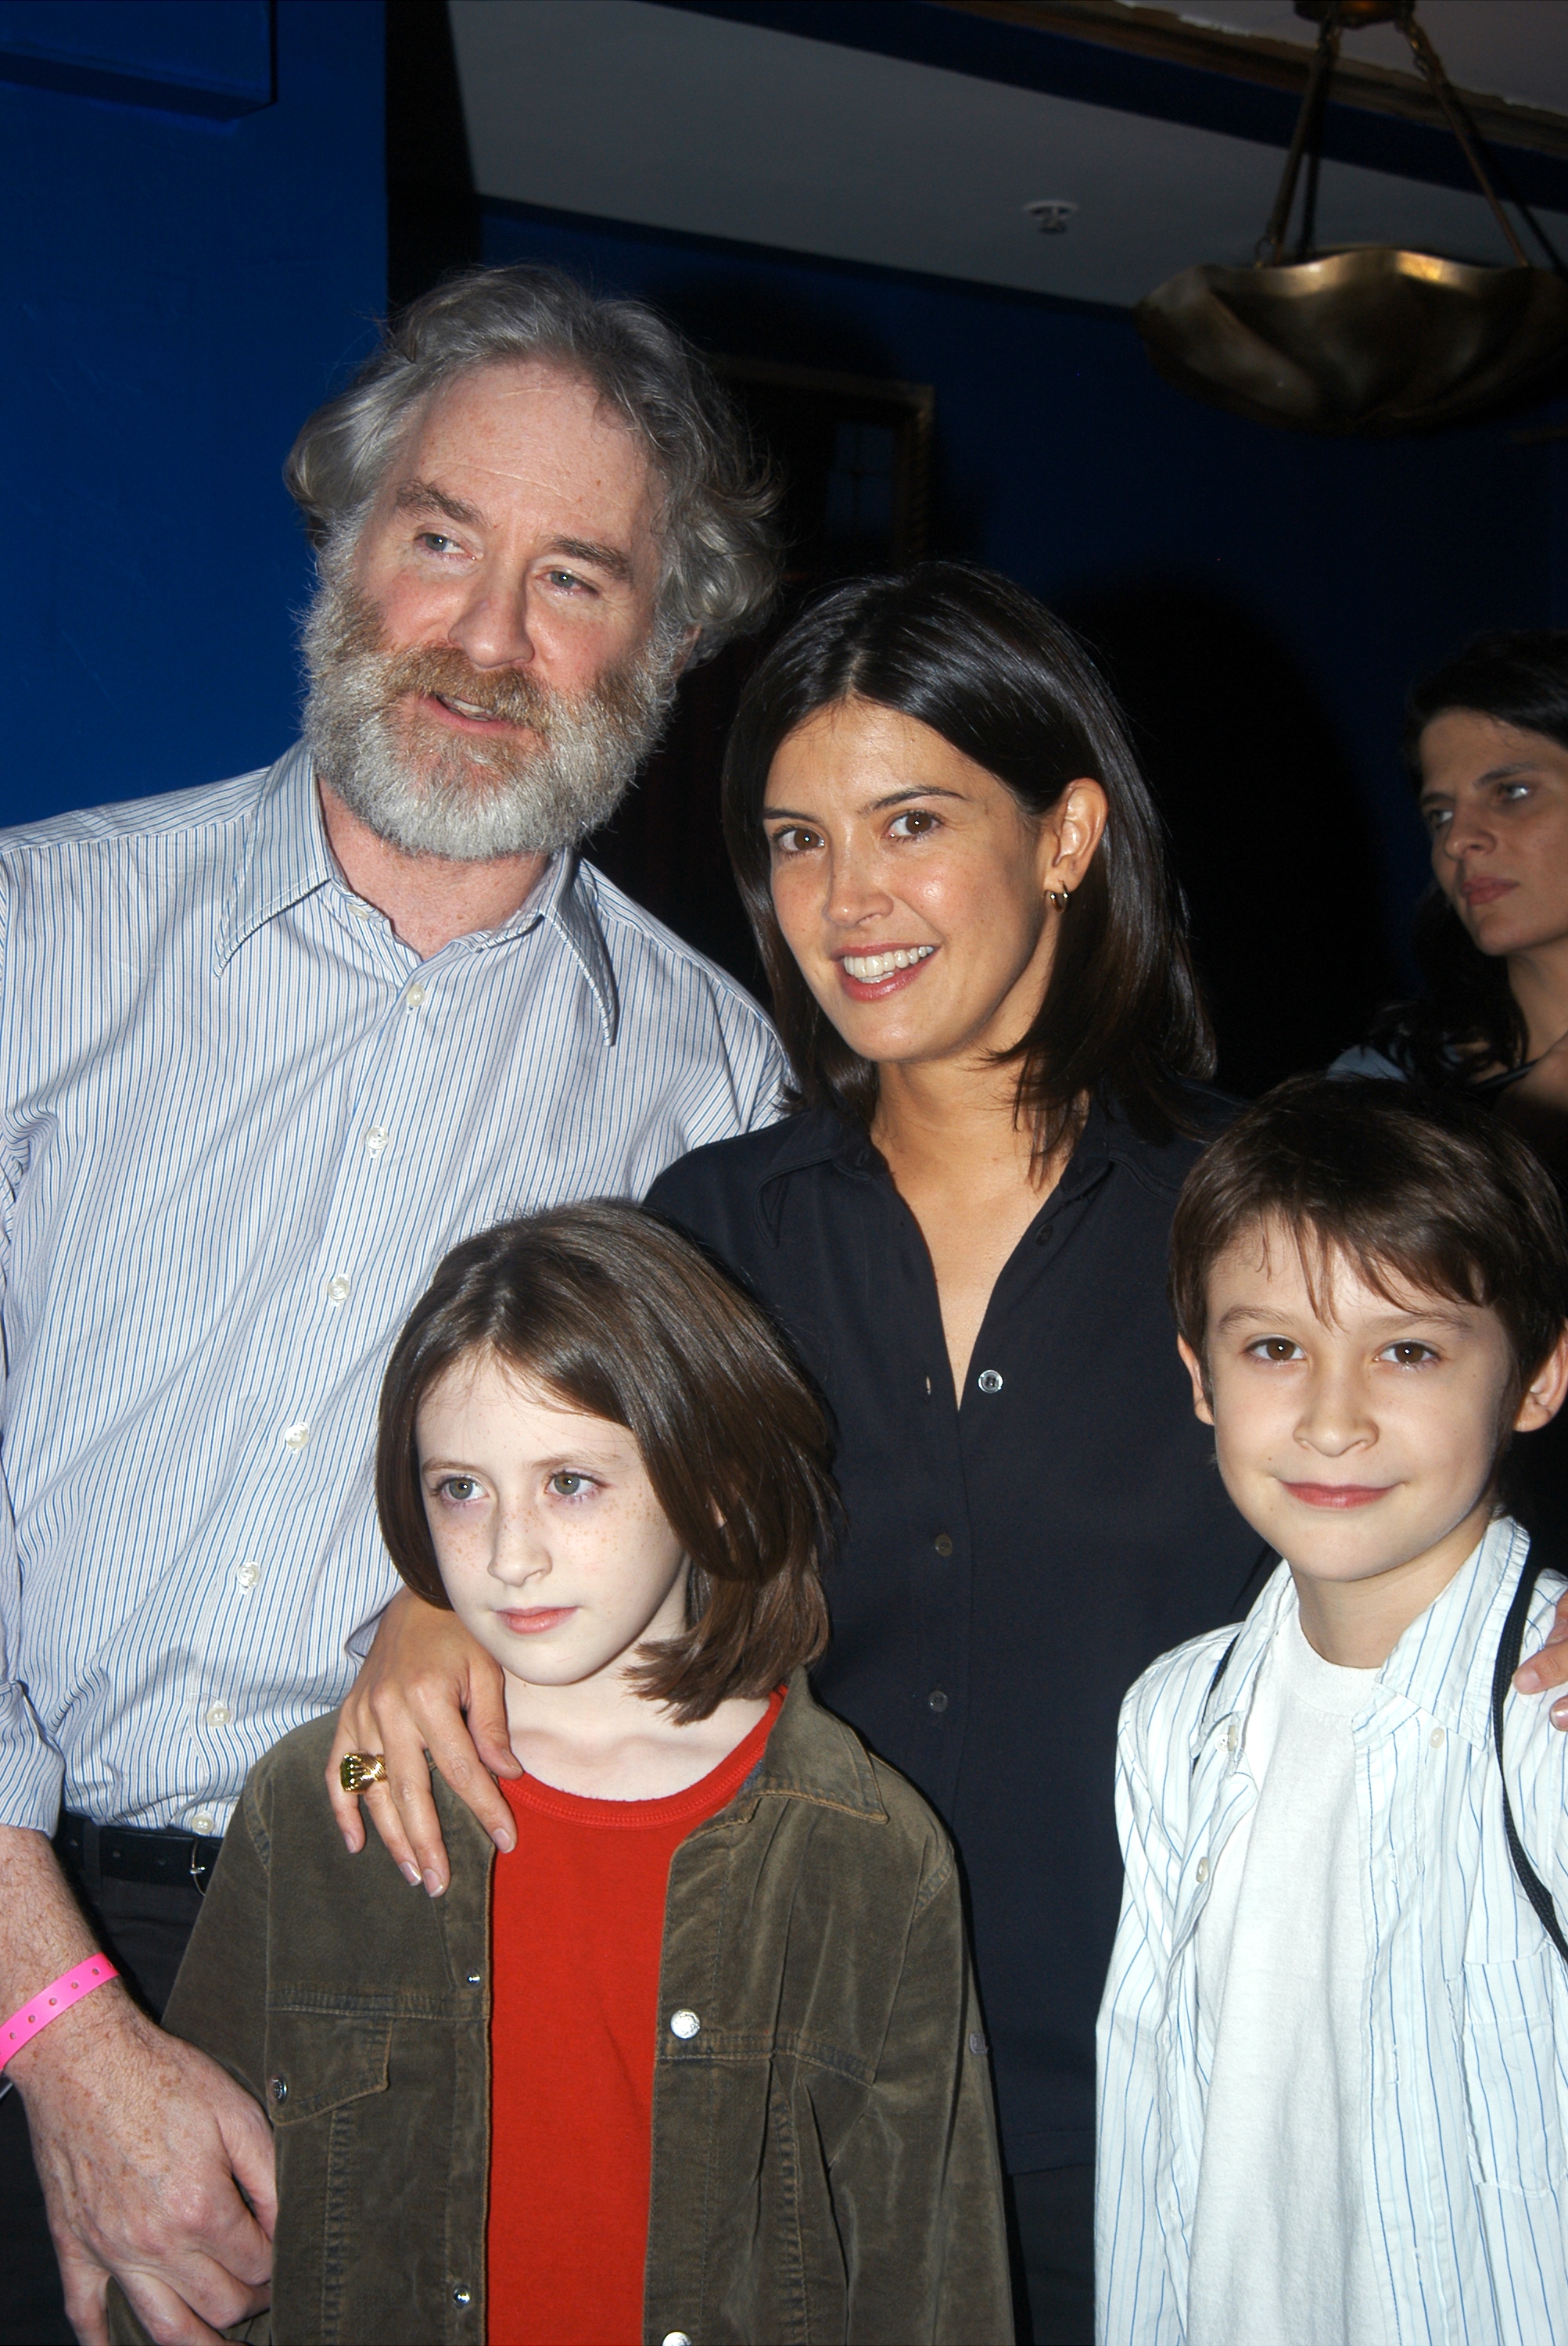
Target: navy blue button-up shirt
1012 1561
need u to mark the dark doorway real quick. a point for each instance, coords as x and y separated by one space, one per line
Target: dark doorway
1266 818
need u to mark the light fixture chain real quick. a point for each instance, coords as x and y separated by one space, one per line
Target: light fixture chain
1431 65
1325 57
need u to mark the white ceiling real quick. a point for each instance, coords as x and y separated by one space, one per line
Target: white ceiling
1515 49
631 111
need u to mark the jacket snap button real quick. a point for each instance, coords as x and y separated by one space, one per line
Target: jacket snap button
943 1543
674 2338
683 2023
461 2297
936 1700
279 2088
976 2041
989 1380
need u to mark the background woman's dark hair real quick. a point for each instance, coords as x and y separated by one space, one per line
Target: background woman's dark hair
1465 1018
988 667
610 1309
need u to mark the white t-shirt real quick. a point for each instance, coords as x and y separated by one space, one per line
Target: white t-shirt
1280 2253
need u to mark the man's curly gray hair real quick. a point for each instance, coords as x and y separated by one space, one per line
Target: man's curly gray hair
719 546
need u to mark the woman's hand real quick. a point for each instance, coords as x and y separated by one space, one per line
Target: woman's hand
425 1687
1549 1666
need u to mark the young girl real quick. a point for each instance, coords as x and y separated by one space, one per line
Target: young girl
700 2059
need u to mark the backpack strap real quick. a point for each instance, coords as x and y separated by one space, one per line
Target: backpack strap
1208 1697
1220 1669
1509 1646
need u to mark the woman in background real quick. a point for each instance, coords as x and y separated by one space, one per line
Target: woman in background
1486 745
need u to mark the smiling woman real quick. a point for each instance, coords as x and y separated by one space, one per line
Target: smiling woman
958 884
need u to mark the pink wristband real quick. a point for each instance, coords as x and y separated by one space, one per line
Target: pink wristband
51 2001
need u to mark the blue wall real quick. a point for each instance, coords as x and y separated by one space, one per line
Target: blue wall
178 290
1326 572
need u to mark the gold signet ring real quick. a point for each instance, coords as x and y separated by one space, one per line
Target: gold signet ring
360 1769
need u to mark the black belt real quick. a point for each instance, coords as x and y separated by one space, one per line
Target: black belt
129 1853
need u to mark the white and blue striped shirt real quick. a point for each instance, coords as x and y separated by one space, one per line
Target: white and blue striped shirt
1464 2156
239 1123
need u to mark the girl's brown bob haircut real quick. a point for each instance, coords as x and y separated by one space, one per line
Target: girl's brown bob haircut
609 1311
970 655
1422 1191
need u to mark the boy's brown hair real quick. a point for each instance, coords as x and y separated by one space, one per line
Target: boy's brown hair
608 1309
1419 1191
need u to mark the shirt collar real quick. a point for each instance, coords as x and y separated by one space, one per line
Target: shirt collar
1443 1663
820 1135
811 1756
283 856
1443 1666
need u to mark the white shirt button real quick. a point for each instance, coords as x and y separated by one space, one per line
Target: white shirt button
219 1714
361 911
296 1436
683 2023
247 1574
338 1291
377 1139
1203 1868
1436 1738
203 1822
989 1380
415 994
1232 1736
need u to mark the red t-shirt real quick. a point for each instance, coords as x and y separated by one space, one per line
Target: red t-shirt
577 1933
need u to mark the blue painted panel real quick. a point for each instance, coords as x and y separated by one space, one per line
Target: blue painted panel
211 57
175 296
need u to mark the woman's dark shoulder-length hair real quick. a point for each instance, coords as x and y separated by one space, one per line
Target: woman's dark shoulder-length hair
988 667
1465 1019
607 1309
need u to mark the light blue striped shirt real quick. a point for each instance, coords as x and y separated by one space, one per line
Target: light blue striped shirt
1464 2161
239 1123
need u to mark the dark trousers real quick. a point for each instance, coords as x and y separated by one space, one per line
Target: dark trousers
144 1929
1051 2233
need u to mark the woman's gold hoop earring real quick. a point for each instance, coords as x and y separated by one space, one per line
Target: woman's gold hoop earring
1057 898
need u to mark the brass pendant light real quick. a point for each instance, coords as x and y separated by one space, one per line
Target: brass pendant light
1373 340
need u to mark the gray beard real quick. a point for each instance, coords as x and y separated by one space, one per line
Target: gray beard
469 799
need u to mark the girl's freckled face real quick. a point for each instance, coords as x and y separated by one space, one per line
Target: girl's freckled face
551 1542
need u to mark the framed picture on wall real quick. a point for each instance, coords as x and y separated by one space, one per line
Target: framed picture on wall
855 455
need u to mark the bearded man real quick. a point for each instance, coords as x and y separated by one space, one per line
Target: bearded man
267 1051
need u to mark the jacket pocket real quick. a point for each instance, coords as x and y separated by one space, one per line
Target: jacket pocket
1516 2132
316 2060
324 2074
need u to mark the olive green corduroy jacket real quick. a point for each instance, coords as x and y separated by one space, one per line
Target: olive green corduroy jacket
824 2155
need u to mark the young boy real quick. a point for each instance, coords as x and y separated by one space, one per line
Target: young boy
1334 2040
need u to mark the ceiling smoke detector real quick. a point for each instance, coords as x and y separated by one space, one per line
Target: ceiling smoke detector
1052 215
